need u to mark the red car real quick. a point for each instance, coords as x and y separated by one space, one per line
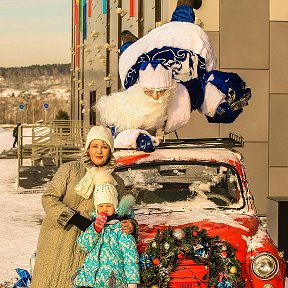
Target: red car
197 220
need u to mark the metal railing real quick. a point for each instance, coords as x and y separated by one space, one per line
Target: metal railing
68 139
59 141
41 143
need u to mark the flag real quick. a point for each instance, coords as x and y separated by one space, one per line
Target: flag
89 8
104 6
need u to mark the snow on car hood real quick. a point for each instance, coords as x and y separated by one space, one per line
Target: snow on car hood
233 227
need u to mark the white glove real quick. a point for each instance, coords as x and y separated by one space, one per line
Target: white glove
134 285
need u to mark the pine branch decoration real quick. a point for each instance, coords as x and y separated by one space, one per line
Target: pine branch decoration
166 249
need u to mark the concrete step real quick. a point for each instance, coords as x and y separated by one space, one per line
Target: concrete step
33 177
9 154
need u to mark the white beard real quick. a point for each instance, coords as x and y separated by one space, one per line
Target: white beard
133 109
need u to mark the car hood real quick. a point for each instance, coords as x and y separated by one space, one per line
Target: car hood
235 228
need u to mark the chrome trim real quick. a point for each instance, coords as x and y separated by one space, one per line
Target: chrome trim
263 254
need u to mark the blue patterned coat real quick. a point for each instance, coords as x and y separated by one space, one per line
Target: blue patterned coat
110 254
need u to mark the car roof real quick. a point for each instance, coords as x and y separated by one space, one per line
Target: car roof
213 150
212 155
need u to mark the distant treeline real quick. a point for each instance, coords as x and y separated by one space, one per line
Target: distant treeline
35 71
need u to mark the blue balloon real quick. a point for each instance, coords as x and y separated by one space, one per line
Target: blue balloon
144 143
25 277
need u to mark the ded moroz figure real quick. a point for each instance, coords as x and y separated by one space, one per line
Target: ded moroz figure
170 72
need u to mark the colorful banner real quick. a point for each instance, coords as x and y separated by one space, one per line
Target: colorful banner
76 32
84 19
89 8
80 15
104 6
131 14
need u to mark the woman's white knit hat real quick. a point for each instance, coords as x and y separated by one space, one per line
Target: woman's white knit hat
100 133
105 190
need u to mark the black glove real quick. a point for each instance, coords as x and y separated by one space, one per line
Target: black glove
80 221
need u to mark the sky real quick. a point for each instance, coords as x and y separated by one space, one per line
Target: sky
35 32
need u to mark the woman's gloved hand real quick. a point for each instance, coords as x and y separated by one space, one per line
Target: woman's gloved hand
80 221
127 226
100 221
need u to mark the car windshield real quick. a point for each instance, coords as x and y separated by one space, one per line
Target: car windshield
189 185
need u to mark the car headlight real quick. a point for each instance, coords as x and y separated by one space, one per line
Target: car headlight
265 266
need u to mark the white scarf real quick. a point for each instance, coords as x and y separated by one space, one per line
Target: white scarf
85 186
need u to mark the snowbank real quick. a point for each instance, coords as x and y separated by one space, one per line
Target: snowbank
20 215
6 139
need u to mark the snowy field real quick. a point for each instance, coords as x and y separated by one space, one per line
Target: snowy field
19 217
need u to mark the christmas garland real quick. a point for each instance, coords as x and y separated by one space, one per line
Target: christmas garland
169 246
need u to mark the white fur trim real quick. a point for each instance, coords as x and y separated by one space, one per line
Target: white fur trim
181 35
213 97
159 77
178 112
127 138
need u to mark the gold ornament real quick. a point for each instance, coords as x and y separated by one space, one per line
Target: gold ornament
154 244
179 234
166 246
154 286
233 270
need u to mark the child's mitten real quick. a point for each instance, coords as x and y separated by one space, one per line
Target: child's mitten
100 221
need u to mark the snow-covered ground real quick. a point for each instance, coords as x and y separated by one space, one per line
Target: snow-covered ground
19 217
6 139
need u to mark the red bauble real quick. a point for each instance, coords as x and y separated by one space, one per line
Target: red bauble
224 254
195 233
180 256
156 261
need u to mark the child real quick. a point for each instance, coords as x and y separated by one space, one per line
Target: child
112 257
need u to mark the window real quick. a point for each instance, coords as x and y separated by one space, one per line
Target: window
190 184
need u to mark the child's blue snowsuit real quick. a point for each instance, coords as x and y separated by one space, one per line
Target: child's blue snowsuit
111 256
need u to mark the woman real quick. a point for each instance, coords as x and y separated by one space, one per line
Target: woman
68 203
